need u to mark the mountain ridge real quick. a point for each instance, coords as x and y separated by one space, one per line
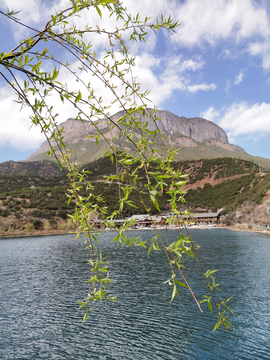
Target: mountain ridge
196 137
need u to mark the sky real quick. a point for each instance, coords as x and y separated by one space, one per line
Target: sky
216 66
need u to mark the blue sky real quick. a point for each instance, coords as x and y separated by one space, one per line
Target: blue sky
217 66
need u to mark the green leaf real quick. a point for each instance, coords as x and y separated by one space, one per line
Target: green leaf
180 283
105 2
78 97
217 326
85 316
229 323
121 204
44 52
98 11
154 201
174 292
111 157
55 73
36 67
150 249
209 272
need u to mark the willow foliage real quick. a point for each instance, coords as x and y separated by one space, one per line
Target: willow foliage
113 71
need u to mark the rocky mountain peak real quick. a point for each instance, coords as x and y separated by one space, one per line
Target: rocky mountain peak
180 132
197 129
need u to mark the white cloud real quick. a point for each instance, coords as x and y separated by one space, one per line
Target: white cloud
30 11
261 49
204 22
207 21
35 12
256 48
193 64
173 77
177 64
226 54
210 114
241 119
164 76
201 87
15 124
239 78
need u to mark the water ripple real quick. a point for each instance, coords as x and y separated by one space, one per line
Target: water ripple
42 279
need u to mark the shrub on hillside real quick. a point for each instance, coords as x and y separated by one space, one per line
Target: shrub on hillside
62 214
4 212
53 224
38 225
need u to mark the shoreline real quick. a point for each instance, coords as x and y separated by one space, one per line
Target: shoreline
238 227
251 230
34 233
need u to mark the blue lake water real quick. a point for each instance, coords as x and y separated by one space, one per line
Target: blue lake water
42 278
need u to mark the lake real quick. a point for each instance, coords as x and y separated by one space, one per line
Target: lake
42 278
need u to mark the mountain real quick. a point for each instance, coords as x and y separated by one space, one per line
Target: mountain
197 138
44 169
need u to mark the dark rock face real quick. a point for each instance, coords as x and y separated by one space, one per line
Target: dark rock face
181 131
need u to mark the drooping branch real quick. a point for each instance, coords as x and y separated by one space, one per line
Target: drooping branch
158 173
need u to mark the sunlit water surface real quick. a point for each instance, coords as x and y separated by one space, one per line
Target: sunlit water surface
42 278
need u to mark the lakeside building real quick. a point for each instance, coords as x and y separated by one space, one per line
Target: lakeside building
199 218
145 220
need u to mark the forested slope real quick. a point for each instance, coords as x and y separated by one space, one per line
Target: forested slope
36 202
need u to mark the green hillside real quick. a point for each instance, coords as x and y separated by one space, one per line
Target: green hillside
87 152
42 203
219 168
230 193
